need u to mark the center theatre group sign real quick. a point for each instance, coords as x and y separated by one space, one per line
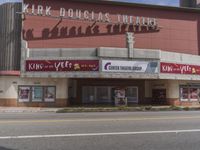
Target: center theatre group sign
130 66
173 68
61 65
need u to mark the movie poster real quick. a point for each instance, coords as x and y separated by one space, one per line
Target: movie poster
49 94
184 94
24 94
120 97
37 94
193 94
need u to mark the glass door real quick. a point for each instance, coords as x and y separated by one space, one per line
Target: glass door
132 94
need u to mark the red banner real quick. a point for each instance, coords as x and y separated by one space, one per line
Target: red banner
179 68
61 65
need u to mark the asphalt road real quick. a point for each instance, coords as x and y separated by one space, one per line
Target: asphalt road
100 131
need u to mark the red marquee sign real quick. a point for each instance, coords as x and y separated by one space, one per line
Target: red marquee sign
179 68
61 65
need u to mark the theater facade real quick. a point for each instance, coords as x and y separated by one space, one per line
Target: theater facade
88 53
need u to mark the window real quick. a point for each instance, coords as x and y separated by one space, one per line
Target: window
132 94
88 94
96 94
103 95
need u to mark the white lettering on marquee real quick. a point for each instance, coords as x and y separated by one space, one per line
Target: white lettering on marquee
33 10
62 12
35 66
62 65
25 8
48 11
70 13
86 15
40 10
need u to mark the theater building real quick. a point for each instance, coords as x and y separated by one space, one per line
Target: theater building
67 52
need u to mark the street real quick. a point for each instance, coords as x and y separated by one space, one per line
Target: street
100 131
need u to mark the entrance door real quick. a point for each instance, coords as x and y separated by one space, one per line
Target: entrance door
132 95
103 95
159 96
88 94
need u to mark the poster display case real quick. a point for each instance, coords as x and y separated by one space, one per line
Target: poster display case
120 97
24 94
36 94
49 94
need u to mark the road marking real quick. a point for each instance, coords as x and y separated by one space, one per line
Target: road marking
98 120
98 134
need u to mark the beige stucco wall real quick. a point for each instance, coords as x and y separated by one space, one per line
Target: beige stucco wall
172 89
9 86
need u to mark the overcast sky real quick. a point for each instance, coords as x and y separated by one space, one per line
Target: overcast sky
158 2
3 1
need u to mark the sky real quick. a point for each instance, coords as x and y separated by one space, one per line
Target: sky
158 2
4 1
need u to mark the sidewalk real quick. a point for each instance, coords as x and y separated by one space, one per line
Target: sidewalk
27 109
96 109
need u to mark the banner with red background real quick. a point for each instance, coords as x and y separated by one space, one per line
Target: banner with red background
174 68
61 65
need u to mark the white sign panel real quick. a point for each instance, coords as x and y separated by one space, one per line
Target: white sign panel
129 66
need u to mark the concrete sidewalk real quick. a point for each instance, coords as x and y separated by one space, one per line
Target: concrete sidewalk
27 109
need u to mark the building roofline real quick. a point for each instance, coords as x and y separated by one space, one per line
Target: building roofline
151 6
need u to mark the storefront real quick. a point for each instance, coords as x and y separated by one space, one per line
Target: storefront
104 53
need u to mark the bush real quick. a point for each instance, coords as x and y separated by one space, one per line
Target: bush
186 108
175 108
148 108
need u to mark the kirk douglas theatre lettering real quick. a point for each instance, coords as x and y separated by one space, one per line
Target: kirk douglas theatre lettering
86 15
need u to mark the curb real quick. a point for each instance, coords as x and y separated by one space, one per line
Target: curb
96 109
127 109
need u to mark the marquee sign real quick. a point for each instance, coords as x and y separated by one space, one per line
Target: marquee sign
87 15
61 65
174 68
129 66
